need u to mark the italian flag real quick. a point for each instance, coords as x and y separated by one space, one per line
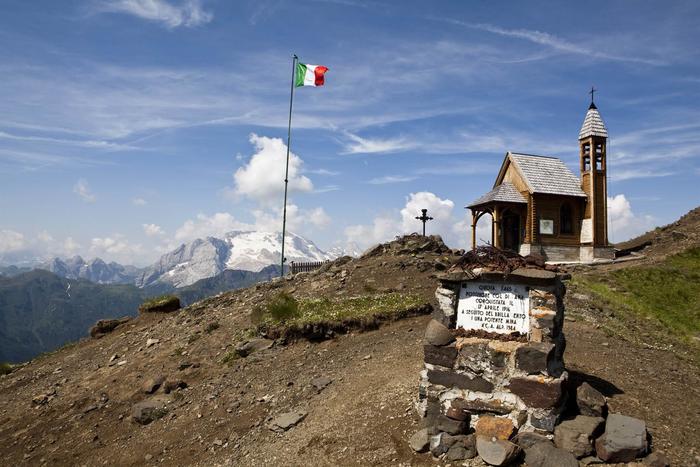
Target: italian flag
309 75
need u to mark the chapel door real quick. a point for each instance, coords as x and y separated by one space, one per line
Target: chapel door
511 231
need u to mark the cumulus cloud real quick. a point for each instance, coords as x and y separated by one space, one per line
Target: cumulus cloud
139 202
209 226
188 13
446 223
153 230
262 179
82 189
623 222
115 248
11 241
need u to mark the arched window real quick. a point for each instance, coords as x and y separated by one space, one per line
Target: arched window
566 221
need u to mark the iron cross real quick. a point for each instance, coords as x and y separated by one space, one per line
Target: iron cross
592 92
424 218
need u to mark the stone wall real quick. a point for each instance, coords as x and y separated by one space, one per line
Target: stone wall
471 373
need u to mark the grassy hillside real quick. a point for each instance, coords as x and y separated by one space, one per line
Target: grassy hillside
666 292
39 313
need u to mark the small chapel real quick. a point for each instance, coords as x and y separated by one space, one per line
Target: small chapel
537 204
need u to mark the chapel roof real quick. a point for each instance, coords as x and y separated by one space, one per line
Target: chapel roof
593 124
543 174
505 192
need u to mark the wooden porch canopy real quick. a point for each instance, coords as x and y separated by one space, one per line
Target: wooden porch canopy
502 195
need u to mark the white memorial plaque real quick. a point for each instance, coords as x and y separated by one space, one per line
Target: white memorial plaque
586 231
547 226
494 307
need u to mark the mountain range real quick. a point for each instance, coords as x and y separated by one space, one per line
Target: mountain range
57 302
199 259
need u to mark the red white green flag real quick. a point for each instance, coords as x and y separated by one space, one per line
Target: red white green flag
309 75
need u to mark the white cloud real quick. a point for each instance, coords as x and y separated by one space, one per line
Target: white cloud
391 179
318 218
556 43
82 189
631 174
44 237
209 226
623 222
70 246
11 241
139 202
153 230
359 145
262 179
446 223
188 13
115 248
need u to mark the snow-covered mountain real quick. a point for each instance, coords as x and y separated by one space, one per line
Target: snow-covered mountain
208 257
94 270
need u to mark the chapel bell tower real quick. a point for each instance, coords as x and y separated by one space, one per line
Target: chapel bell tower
593 154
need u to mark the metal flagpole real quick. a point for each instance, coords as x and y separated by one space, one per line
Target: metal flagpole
286 170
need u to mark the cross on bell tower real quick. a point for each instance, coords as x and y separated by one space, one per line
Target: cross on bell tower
424 218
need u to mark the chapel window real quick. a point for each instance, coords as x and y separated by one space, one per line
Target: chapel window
566 221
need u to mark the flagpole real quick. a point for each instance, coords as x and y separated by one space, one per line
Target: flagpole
286 170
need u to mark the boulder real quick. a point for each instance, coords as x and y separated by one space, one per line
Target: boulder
148 411
497 451
494 427
151 385
420 441
577 435
624 439
438 334
253 345
287 420
590 401
546 455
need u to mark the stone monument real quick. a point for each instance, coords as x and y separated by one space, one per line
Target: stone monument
494 349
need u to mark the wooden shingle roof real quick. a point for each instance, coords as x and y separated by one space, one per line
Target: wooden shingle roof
543 174
593 124
505 192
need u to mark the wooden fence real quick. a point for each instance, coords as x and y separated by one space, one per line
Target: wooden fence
295 267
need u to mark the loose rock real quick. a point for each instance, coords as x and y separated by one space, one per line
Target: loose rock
625 439
146 412
253 345
494 427
321 383
438 334
287 420
590 401
546 455
497 451
577 435
420 441
151 385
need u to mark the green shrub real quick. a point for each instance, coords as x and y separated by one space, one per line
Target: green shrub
162 304
283 307
211 327
5 368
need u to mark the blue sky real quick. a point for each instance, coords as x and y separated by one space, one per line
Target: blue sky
130 126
